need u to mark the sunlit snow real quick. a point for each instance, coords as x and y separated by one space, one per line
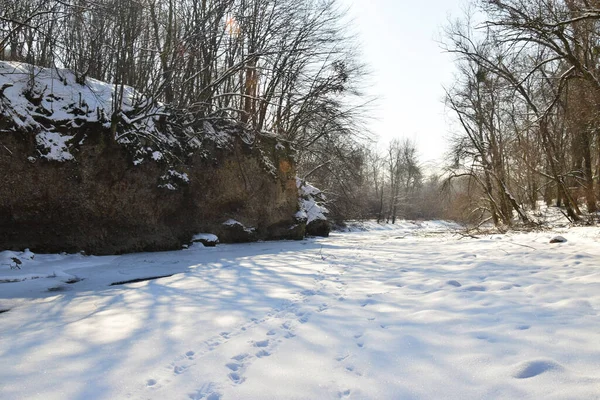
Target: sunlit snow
414 311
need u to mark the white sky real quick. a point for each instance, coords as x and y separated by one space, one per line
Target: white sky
399 43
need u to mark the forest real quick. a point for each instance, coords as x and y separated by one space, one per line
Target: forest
524 100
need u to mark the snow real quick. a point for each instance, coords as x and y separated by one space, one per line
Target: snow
209 237
233 222
55 144
168 186
310 202
410 311
49 101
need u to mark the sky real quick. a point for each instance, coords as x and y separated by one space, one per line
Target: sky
400 44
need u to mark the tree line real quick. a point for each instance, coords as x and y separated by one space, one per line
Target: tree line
284 67
526 96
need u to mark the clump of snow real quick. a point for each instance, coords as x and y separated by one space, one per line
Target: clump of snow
168 186
173 179
55 145
558 239
179 175
205 236
311 202
233 222
207 239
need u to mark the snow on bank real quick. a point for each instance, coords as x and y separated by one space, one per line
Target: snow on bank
50 101
311 202
53 102
386 314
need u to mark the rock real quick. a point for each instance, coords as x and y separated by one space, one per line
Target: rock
17 262
286 231
232 231
318 227
207 239
558 239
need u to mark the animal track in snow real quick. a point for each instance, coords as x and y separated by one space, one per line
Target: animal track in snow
303 316
344 394
368 302
179 369
151 382
322 307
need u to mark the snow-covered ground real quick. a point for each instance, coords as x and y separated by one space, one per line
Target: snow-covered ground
410 312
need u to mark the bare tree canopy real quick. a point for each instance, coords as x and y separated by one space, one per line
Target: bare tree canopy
526 97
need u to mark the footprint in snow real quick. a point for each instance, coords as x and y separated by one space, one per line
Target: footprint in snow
206 392
179 369
344 394
233 366
190 355
236 378
272 332
262 343
476 288
368 302
303 316
351 368
263 353
530 369
240 357
151 382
